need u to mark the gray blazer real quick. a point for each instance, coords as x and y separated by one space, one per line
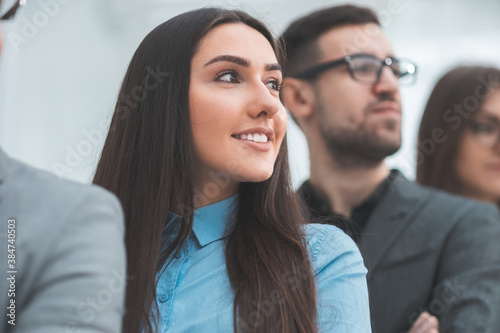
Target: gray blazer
425 249
69 270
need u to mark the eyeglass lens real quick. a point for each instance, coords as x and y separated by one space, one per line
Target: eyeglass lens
367 69
486 132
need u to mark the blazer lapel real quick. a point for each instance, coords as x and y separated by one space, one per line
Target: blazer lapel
392 216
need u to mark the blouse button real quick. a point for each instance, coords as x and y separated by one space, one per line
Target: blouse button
179 255
163 298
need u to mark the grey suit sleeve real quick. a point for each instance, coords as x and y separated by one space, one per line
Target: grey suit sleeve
81 286
467 297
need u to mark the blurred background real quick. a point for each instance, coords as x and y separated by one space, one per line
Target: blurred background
63 62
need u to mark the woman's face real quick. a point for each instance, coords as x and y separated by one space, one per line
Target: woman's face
237 119
478 161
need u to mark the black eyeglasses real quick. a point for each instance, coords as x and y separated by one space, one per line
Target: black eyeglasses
365 68
8 8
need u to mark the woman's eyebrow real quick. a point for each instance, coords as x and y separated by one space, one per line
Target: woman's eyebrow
242 62
235 59
274 67
488 115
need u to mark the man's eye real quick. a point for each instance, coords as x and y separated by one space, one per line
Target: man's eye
366 68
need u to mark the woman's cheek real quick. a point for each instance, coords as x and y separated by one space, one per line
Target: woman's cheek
283 123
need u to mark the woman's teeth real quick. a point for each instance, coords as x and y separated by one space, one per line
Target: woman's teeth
252 137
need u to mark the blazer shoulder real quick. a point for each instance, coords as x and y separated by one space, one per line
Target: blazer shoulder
454 205
47 204
437 204
33 185
71 237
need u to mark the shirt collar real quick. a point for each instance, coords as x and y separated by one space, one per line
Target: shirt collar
319 209
380 191
211 222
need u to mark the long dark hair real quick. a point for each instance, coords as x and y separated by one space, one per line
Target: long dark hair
148 162
465 87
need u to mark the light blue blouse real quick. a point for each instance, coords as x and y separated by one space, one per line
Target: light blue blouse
194 293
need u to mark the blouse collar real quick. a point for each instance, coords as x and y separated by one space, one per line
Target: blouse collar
210 222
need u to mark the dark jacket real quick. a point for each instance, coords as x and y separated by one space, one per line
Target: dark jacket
429 250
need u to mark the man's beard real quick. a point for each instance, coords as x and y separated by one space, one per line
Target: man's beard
360 147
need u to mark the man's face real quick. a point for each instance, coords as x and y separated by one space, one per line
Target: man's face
360 123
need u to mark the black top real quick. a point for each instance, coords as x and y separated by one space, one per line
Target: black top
320 211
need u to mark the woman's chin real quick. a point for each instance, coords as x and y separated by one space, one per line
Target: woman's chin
256 176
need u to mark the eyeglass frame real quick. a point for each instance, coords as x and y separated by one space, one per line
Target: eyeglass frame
315 70
477 136
12 11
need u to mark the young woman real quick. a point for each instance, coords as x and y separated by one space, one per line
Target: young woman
462 122
196 154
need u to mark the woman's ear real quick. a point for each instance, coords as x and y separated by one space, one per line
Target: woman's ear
298 98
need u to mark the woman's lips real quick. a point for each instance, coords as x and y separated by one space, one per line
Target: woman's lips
259 146
268 132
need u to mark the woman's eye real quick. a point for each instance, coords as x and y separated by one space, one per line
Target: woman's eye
228 77
275 85
482 128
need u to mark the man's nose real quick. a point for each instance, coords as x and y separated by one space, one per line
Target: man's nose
388 82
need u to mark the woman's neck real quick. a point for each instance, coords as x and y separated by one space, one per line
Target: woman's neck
213 190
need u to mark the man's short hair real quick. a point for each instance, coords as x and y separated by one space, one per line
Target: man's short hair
299 39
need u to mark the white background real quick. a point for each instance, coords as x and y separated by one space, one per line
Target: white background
63 62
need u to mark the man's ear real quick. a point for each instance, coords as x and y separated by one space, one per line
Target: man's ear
298 97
